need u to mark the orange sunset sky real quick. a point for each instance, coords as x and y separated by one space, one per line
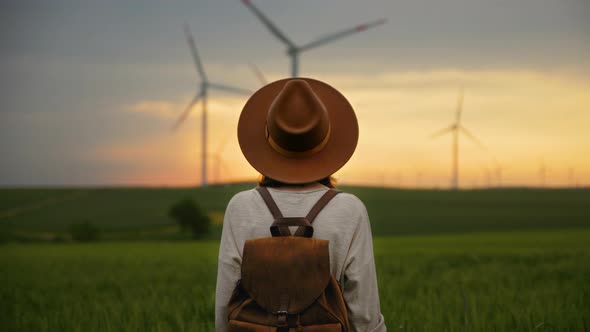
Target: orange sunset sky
525 120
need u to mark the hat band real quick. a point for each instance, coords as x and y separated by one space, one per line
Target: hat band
297 154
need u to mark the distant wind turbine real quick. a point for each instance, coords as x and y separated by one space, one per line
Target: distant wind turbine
217 156
293 50
571 176
202 94
455 128
498 170
488 177
542 172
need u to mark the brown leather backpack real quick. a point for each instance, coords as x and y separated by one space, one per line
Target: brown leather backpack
286 284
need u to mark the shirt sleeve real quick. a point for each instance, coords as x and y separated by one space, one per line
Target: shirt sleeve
360 288
228 269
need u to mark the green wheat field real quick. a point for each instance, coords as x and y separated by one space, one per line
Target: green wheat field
480 260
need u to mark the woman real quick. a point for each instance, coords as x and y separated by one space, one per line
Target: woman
297 133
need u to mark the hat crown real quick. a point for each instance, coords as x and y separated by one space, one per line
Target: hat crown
312 118
297 120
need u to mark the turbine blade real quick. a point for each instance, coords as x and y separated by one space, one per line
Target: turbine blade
268 23
186 111
443 131
258 74
472 137
341 34
195 54
229 88
459 107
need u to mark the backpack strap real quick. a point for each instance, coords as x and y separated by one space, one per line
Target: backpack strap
274 210
321 203
315 210
275 228
272 206
280 226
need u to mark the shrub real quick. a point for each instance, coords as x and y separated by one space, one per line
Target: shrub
189 216
84 232
58 238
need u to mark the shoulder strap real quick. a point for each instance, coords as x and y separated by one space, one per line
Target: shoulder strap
272 206
315 210
320 204
274 210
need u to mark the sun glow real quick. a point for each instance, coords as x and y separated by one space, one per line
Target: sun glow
533 127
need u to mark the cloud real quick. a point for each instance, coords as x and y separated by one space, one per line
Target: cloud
157 108
520 115
166 109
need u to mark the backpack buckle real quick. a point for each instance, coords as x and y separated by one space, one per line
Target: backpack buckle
282 322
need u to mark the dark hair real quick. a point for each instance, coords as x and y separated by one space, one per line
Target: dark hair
265 181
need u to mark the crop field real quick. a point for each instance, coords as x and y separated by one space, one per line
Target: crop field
474 260
141 213
505 281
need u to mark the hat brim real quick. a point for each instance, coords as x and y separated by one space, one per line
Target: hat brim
266 160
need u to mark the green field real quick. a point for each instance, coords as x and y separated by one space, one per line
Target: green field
479 260
515 281
141 213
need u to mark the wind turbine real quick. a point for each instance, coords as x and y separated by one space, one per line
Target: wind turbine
259 75
217 156
202 95
542 172
293 50
498 170
571 177
488 177
455 129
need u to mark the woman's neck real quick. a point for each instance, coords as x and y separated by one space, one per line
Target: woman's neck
306 186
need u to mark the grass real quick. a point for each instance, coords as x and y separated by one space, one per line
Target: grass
500 281
141 213
113 209
397 212
477 260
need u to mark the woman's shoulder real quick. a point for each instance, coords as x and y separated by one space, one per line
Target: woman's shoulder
350 199
353 205
251 197
245 197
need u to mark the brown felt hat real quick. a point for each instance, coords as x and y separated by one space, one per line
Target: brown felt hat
297 130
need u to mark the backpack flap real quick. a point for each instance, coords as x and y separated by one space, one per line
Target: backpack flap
285 273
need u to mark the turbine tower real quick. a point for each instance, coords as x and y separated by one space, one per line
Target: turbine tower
455 129
498 170
217 156
542 172
202 94
571 177
293 50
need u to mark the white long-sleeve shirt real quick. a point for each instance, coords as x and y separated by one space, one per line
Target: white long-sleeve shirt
344 222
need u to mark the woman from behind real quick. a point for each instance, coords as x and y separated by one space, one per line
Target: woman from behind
297 133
